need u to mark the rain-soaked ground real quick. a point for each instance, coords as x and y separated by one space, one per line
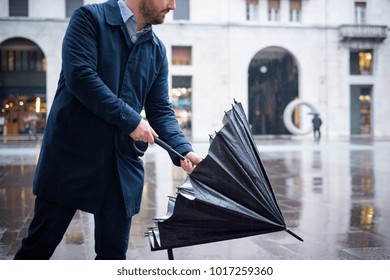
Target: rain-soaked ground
335 195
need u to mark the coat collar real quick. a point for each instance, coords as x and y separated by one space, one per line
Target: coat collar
112 13
114 17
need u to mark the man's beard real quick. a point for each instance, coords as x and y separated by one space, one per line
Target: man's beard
150 13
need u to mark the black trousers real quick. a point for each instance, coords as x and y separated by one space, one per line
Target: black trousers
50 221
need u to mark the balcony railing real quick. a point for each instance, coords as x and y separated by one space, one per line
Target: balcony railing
362 32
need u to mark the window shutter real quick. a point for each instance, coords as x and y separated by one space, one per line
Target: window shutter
273 4
295 5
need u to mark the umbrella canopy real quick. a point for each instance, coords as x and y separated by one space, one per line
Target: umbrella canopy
227 196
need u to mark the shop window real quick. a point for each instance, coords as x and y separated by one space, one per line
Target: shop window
18 8
252 7
295 10
181 99
360 109
361 62
181 55
182 11
71 6
273 10
17 111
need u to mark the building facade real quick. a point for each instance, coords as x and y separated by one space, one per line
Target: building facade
332 56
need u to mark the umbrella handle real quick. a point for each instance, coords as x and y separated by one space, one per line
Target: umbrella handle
137 151
162 144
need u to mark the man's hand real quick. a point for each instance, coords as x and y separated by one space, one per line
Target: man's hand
143 132
190 164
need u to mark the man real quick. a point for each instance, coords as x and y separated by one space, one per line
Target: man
113 67
317 122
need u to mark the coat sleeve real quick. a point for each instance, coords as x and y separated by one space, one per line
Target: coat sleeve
161 116
79 56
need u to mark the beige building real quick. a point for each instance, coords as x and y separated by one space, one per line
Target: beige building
330 55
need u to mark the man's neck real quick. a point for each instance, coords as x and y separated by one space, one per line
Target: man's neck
134 8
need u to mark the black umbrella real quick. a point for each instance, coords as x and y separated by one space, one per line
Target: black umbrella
227 196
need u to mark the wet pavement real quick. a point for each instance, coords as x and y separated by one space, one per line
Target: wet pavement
335 195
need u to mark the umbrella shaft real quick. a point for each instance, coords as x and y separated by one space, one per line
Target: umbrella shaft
168 148
293 234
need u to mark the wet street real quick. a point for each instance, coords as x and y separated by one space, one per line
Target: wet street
335 195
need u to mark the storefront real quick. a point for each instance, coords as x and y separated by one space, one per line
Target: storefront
22 87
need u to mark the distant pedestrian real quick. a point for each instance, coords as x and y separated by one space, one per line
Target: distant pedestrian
317 122
31 125
2 123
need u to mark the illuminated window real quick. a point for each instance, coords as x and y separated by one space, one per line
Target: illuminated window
181 97
10 61
181 55
361 62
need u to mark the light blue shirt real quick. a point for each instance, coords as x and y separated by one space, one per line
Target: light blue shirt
131 23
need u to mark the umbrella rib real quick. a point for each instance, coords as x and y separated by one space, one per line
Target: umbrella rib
226 202
239 114
263 195
264 208
242 119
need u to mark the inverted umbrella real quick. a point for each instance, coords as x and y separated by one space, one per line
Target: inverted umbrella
227 196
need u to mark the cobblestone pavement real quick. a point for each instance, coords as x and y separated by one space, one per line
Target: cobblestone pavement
334 194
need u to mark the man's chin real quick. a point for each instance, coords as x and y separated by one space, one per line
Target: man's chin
159 20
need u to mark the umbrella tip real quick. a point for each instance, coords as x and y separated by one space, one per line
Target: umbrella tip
293 234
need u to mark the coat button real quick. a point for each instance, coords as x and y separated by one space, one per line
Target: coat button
124 116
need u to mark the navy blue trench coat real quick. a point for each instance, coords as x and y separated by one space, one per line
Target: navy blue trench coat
104 84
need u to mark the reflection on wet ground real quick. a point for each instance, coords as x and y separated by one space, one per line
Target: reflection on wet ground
335 195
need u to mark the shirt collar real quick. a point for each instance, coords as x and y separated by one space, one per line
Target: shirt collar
131 23
125 11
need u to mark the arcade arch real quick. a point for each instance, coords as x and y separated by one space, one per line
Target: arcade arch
272 85
22 86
